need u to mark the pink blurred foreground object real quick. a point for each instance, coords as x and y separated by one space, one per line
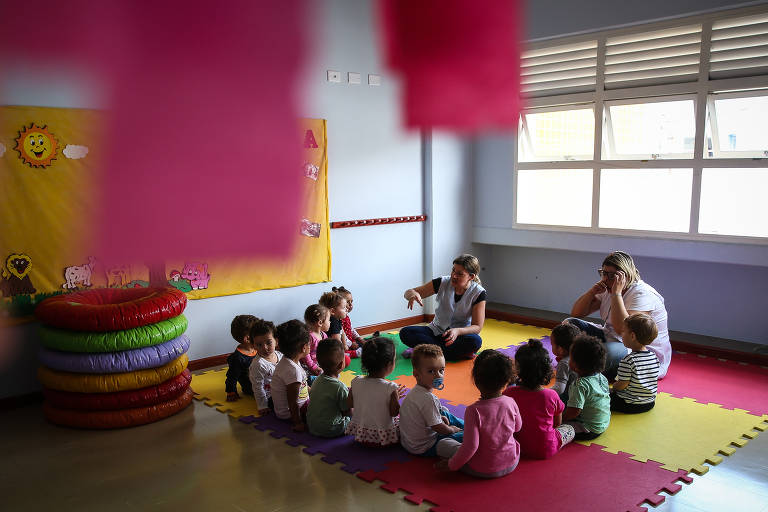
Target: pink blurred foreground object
459 59
202 142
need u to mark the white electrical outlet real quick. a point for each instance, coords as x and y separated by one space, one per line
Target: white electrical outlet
354 78
374 79
334 76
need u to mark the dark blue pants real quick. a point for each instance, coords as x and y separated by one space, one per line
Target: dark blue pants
615 350
464 347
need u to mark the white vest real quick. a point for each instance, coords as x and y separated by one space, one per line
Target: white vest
449 313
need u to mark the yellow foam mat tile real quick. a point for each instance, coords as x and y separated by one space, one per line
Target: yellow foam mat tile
209 389
680 433
499 334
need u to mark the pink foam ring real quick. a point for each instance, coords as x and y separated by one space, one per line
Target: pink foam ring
459 60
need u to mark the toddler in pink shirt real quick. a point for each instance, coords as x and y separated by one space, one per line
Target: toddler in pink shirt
543 433
489 449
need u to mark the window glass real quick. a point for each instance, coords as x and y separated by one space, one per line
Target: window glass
555 197
646 199
645 131
560 135
739 125
733 202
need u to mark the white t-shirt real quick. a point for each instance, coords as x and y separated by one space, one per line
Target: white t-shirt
260 374
287 372
642 297
371 420
419 412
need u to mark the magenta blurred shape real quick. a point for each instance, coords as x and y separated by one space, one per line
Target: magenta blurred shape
201 150
459 59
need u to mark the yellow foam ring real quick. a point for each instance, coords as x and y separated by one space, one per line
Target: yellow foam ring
679 433
110 382
209 387
500 334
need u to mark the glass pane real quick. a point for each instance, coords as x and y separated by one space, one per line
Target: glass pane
646 131
733 202
646 199
560 197
556 136
740 127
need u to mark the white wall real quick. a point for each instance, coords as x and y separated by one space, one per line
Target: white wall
714 289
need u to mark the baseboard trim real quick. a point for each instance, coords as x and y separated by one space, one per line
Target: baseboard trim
394 324
207 362
682 346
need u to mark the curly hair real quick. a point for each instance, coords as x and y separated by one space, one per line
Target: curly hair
492 371
563 335
425 351
534 366
588 354
292 336
314 314
643 327
331 299
241 326
378 353
261 327
329 354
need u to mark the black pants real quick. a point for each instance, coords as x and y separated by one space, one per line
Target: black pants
619 405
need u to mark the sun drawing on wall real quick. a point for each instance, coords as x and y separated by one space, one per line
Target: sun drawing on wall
36 146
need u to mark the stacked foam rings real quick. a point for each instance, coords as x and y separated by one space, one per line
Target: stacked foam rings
114 358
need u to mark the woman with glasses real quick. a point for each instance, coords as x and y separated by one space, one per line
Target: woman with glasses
619 293
459 311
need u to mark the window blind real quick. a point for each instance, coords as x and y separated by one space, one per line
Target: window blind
560 69
739 47
651 58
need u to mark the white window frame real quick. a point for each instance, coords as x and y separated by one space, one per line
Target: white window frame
526 134
700 90
712 118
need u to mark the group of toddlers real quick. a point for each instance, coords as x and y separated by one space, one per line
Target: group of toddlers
515 416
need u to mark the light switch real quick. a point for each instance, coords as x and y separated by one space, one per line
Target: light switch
354 78
374 79
334 76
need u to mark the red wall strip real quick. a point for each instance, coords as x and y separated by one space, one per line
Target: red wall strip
373 222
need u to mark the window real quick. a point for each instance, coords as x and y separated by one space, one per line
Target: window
655 132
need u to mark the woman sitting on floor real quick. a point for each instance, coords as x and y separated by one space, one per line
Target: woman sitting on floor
459 311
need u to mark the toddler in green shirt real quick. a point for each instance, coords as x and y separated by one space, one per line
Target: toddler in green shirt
328 412
588 409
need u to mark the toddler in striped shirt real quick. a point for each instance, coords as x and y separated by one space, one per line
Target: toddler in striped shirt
636 381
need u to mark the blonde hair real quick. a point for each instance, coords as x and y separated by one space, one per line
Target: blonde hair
471 264
623 261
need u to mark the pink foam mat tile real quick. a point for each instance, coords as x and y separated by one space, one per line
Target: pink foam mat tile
729 384
616 483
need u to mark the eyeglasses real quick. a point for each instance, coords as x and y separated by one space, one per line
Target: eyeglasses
609 275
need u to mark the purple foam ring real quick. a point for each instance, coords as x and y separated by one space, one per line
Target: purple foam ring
116 362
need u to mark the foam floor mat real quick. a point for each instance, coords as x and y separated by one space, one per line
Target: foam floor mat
729 384
680 434
611 483
209 389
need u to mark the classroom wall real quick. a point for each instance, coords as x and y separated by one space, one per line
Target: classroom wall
713 289
375 170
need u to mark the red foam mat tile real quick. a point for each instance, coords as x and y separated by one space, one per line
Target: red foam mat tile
579 478
729 384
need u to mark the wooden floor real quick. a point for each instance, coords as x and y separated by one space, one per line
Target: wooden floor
202 460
